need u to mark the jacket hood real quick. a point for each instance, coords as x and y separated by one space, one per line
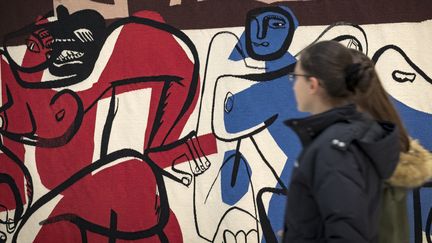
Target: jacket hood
414 167
381 144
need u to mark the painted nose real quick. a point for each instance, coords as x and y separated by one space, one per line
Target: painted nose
260 33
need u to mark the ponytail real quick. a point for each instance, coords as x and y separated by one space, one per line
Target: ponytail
371 97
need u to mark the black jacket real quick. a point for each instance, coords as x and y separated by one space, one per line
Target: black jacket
336 184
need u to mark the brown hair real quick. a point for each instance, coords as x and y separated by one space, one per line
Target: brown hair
373 99
328 61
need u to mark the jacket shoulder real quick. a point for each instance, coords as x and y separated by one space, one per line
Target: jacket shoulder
340 135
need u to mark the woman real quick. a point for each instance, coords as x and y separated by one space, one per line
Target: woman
415 164
336 185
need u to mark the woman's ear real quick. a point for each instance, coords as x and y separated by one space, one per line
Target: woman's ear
314 85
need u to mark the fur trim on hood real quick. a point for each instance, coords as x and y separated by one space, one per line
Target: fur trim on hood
414 167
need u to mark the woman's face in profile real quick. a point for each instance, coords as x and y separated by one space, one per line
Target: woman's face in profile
301 89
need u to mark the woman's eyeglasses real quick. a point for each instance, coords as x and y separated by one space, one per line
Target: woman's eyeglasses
292 76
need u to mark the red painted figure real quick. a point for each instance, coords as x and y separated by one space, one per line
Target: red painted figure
126 200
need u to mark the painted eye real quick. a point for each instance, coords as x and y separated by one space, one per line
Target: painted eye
33 46
278 25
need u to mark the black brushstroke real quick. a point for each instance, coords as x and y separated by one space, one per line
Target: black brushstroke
236 165
113 225
8 104
383 49
159 114
108 125
362 48
396 76
279 180
268 233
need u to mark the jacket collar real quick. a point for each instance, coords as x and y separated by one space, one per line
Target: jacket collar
379 141
414 167
310 127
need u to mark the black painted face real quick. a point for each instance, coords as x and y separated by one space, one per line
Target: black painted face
269 32
77 40
68 47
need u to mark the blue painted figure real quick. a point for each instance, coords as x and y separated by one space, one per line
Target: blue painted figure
267 36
